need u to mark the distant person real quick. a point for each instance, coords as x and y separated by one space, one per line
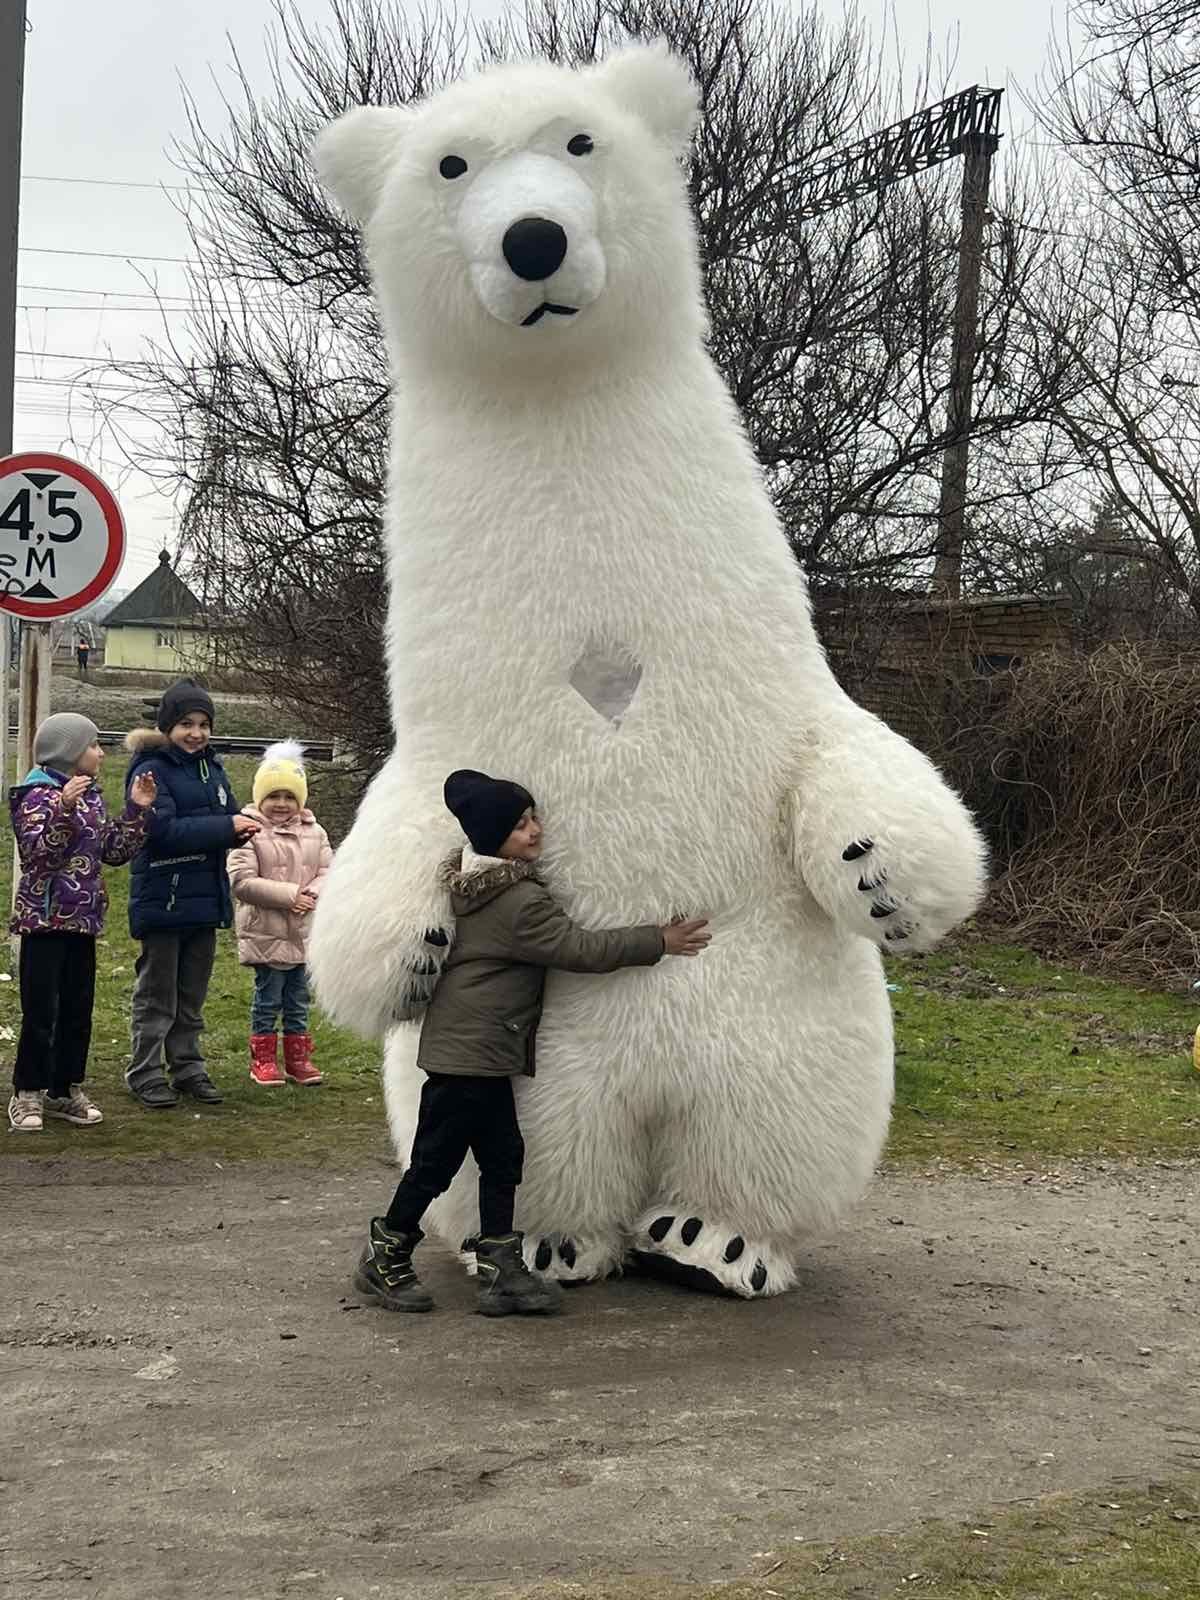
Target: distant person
82 651
64 837
276 876
179 896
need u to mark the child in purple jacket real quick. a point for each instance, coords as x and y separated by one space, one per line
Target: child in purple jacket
64 836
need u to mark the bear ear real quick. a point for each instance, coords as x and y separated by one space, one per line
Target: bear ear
656 85
353 154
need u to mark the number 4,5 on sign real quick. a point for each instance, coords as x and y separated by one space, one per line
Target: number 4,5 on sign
62 537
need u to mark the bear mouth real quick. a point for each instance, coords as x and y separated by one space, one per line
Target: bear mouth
548 305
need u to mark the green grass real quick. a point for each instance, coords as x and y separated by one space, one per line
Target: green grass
1001 1058
1109 1546
343 1116
1000 1055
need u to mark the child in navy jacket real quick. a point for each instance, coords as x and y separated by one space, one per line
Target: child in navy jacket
179 896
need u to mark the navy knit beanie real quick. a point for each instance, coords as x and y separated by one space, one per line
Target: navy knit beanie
488 809
179 700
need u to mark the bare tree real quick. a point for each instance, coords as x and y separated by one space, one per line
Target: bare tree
1123 100
832 333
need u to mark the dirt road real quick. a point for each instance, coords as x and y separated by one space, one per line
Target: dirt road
193 1403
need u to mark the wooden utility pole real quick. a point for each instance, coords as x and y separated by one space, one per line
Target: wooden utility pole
978 151
12 79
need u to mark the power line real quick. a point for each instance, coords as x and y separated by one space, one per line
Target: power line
107 183
100 255
45 385
104 311
63 355
120 294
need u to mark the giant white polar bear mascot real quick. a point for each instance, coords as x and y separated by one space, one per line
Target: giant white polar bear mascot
590 593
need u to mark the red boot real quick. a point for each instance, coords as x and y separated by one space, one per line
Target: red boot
297 1058
264 1068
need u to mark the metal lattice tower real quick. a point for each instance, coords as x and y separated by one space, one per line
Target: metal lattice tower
926 139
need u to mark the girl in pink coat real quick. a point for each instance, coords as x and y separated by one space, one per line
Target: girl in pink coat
276 877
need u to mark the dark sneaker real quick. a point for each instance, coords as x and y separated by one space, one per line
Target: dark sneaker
157 1095
75 1106
385 1271
203 1089
506 1285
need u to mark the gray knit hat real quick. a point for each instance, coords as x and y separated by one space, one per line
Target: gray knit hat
62 739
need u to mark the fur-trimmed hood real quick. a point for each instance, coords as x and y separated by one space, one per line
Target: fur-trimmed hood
145 741
144 744
475 881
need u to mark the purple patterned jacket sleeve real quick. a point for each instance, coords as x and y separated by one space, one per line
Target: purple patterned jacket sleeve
45 832
124 836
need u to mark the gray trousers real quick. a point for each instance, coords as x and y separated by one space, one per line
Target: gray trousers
168 1006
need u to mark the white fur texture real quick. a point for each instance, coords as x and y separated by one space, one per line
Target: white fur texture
581 491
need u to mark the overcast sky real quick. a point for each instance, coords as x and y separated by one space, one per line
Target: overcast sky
103 101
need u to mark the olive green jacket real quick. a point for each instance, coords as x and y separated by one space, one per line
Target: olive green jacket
483 1017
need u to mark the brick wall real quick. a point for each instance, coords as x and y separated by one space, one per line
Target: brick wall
920 652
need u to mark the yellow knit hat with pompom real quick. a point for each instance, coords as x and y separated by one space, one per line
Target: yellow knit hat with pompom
282 768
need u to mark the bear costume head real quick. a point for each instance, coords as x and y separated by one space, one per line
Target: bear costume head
539 211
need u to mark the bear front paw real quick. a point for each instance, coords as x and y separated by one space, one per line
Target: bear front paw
419 976
883 903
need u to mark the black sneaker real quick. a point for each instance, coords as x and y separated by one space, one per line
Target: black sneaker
385 1271
506 1285
157 1095
203 1089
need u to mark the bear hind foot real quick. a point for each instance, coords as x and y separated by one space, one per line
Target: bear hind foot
572 1258
688 1249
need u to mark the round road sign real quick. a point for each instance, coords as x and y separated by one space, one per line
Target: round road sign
62 536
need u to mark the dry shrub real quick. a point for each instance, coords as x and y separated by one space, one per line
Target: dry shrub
1085 773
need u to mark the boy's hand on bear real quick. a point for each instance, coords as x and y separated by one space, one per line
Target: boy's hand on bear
304 902
245 826
74 790
686 938
143 790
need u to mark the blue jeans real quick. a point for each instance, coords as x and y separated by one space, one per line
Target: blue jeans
279 989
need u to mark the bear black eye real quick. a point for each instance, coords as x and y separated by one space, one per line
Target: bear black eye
452 166
580 144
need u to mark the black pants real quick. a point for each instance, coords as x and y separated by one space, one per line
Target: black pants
58 990
459 1115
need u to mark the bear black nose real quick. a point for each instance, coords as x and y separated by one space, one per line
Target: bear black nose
535 248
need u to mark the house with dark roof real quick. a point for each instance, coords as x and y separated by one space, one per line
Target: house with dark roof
159 627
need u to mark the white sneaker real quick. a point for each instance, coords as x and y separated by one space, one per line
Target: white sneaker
75 1107
25 1111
